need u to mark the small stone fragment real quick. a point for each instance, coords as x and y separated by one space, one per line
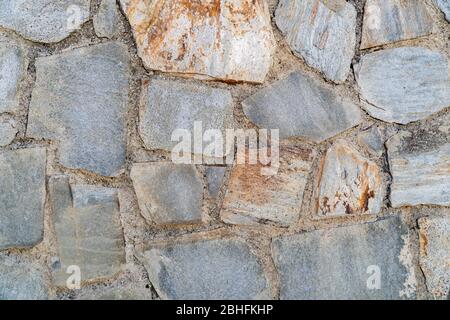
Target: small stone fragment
80 100
107 19
365 261
323 32
22 197
12 69
403 85
349 183
46 21
8 132
222 269
87 226
388 21
444 5
301 106
221 39
214 178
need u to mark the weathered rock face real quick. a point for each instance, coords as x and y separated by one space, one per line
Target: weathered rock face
87 226
404 84
80 100
344 263
387 21
214 178
221 39
374 137
444 5
22 196
8 132
12 69
301 106
107 19
253 197
435 254
349 183
168 193
222 269
321 32
44 20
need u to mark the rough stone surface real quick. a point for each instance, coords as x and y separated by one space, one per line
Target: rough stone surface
171 105
21 280
333 263
444 5
22 196
321 32
349 183
80 100
253 197
12 69
127 292
106 20
435 254
374 137
301 106
8 132
404 84
214 178
221 270
387 21
45 21
168 193
222 39
87 226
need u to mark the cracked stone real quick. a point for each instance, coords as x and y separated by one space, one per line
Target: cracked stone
214 178
22 197
177 198
403 85
88 231
321 32
344 263
8 132
46 21
106 20
223 269
374 137
444 5
220 39
301 106
80 100
388 21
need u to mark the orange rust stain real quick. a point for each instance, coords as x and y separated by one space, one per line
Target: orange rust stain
314 11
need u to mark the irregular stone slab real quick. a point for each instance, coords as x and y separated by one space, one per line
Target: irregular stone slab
12 70
21 280
301 106
80 100
214 178
388 21
349 183
344 263
8 132
172 105
22 197
435 254
107 19
253 197
444 5
168 193
44 21
222 39
403 84
321 32
88 231
222 269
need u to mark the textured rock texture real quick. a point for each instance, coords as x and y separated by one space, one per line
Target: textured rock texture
444 5
106 20
321 32
222 39
221 269
8 132
214 179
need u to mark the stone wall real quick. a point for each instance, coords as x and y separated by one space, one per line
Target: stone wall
91 91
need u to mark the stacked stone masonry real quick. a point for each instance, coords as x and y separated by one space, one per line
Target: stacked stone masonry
92 207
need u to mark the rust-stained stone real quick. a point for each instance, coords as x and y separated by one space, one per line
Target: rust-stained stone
349 183
253 197
221 39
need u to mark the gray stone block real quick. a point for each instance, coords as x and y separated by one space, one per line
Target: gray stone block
12 71
107 19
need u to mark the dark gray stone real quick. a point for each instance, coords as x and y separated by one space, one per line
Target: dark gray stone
12 69
214 178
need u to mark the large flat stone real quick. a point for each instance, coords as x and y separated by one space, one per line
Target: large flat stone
45 21
402 85
349 183
12 70
301 106
222 39
168 193
336 263
388 21
444 5
215 269
323 32
22 197
87 226
80 100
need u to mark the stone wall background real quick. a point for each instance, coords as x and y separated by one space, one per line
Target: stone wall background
133 280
